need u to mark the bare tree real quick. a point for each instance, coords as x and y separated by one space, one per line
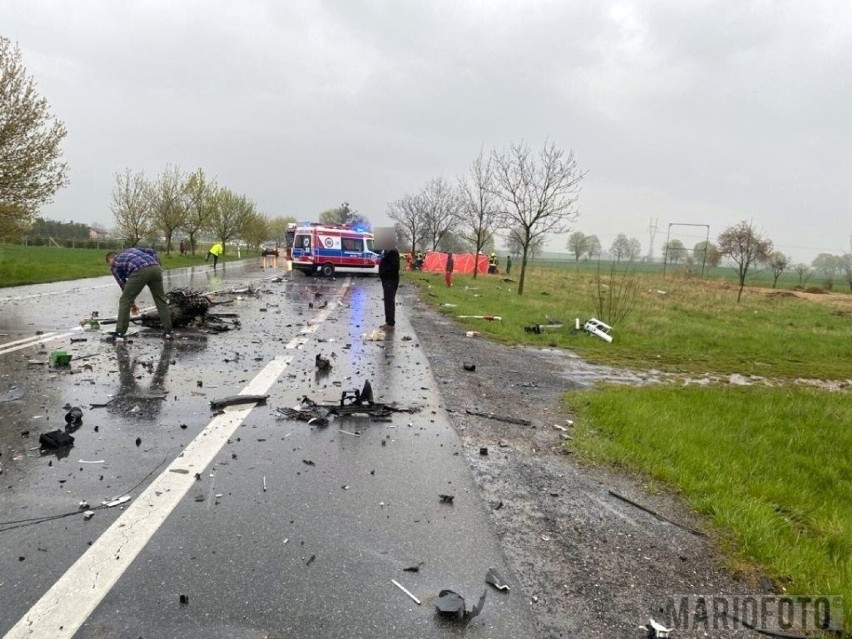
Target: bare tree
31 166
634 249
409 213
130 206
804 272
577 244
620 248
344 214
746 248
198 193
539 192
593 247
847 268
616 293
515 244
778 262
167 202
441 205
478 212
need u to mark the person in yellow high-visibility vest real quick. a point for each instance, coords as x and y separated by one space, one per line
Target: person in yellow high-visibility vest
216 250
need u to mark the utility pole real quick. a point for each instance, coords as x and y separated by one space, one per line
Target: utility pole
652 231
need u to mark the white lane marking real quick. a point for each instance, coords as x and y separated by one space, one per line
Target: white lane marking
70 601
47 337
45 294
31 338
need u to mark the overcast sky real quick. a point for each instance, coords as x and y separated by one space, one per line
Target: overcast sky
700 112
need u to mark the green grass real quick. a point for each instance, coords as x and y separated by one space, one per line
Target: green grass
39 264
693 327
767 464
770 469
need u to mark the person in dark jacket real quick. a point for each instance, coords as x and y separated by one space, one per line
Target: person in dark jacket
448 270
134 269
389 274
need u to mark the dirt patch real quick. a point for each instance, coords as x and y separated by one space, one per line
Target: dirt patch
591 565
781 294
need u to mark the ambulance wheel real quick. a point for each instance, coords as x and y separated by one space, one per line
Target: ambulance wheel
327 270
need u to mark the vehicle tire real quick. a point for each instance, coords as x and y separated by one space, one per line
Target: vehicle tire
327 270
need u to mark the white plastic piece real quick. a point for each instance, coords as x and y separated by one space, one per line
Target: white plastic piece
598 328
117 501
406 591
659 630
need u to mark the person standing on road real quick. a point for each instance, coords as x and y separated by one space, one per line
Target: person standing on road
216 250
134 269
448 271
508 264
389 274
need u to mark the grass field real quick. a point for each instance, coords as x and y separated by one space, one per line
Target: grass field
677 326
767 464
39 264
770 468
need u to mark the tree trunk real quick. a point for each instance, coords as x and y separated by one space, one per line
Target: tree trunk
523 269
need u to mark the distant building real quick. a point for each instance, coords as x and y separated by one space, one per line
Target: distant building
97 233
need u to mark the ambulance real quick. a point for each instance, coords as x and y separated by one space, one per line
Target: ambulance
335 248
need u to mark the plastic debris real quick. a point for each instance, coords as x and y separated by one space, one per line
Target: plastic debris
322 363
447 499
55 440
118 501
451 604
493 578
596 327
658 630
74 416
406 591
471 334
468 366
88 515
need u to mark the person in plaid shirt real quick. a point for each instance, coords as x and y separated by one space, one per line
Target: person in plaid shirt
134 269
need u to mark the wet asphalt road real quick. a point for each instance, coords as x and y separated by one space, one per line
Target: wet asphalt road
345 510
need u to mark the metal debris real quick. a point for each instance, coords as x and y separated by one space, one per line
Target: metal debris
238 399
500 418
451 604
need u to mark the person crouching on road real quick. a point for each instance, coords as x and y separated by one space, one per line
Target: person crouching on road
216 250
448 271
389 274
134 269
